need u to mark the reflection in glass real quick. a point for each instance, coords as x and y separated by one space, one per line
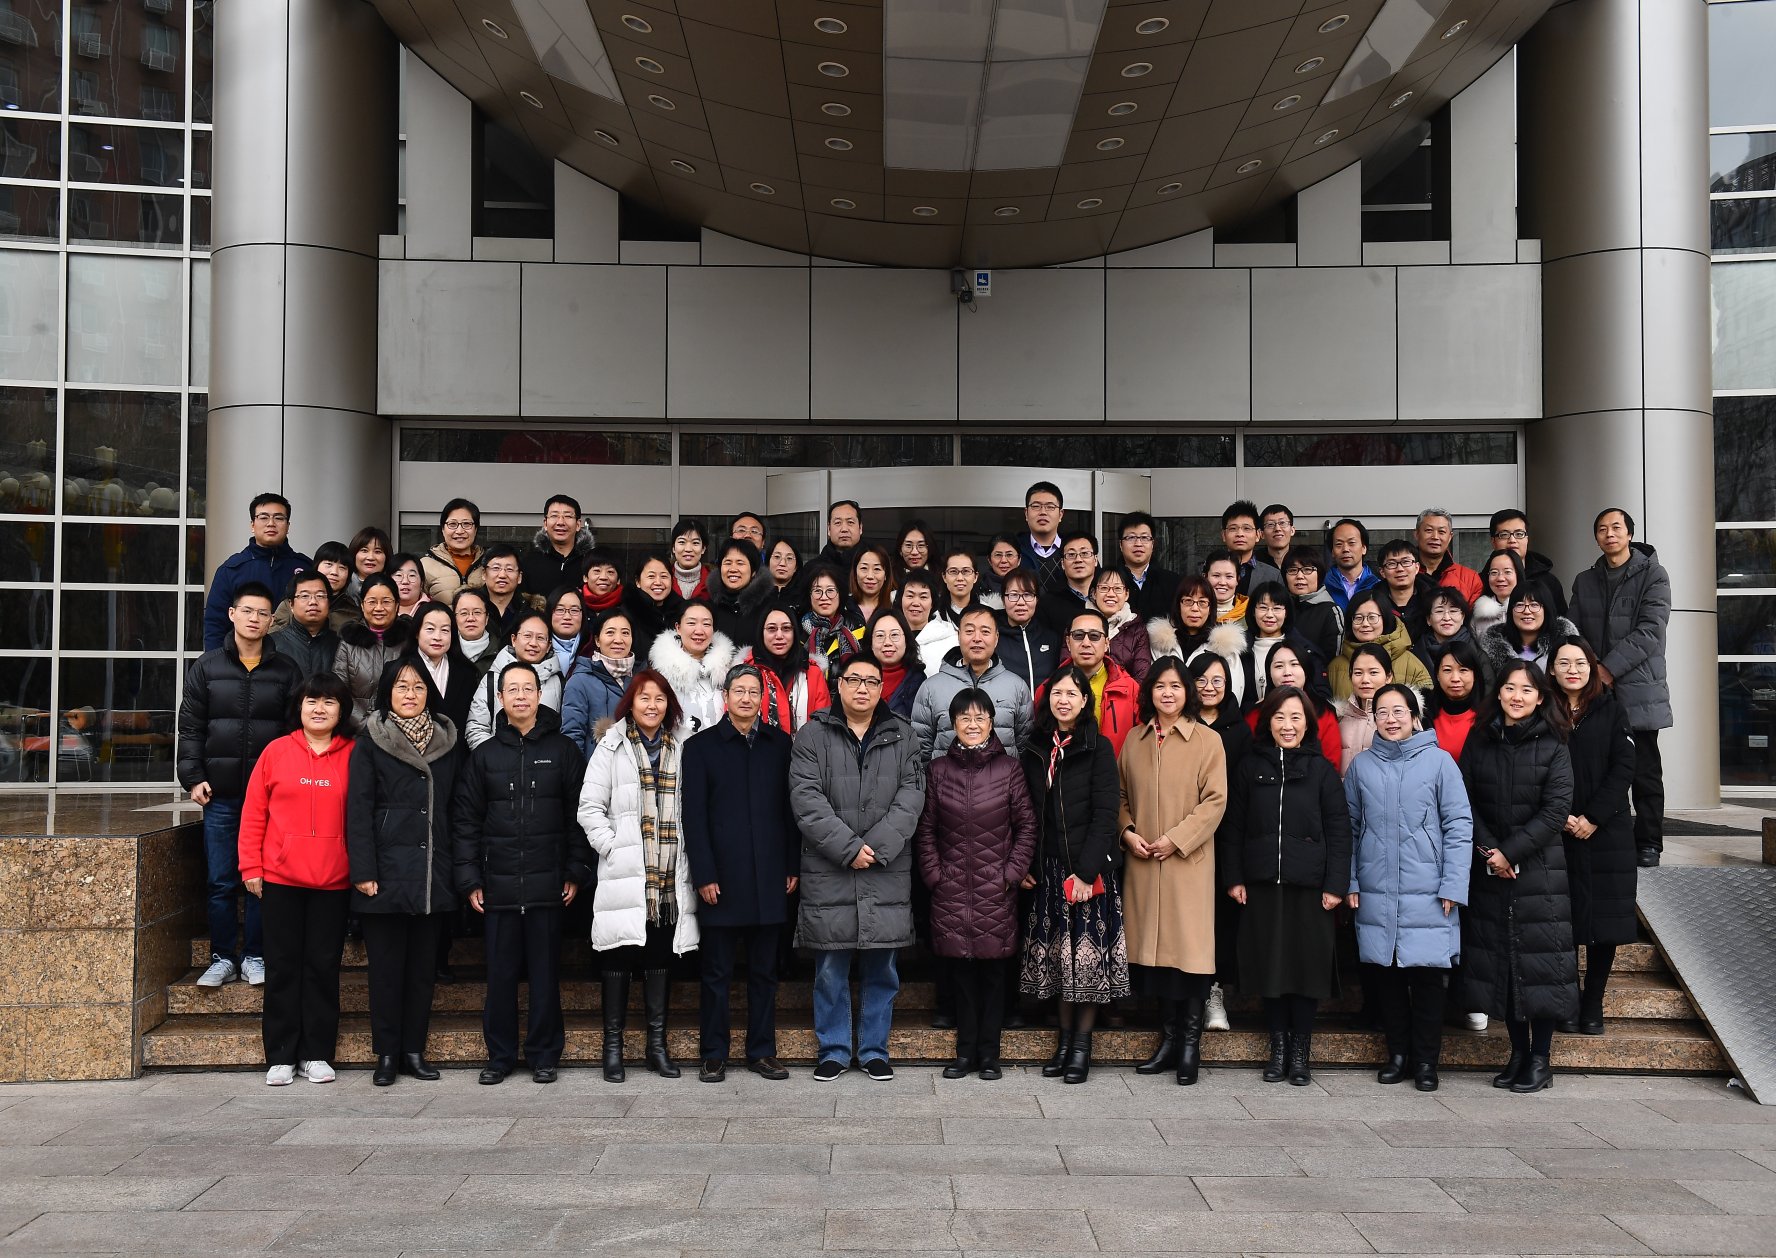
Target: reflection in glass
127 554
31 34
30 148
200 323
123 453
200 222
1135 450
1745 557
1744 474
1179 542
27 450
581 447
515 188
194 609
25 615
28 212
29 284
1747 624
154 156
118 719
203 58
200 159
744 449
1744 312
1380 449
194 557
1742 163
129 60
24 721
27 550
125 320
1743 225
1748 724
126 218
119 620
197 452
1741 89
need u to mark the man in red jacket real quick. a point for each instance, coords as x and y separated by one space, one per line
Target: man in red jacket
1433 537
1116 697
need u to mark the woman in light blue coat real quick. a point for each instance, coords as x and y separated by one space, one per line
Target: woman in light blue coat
1413 844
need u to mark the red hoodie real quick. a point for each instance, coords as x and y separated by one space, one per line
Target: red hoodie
292 829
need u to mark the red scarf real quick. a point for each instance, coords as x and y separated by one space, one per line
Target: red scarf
602 603
892 676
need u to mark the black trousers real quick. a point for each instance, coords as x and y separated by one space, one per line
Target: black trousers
980 1007
402 949
520 944
1648 791
1411 1010
304 940
717 951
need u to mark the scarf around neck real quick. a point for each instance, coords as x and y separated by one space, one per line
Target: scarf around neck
418 729
618 669
474 650
656 764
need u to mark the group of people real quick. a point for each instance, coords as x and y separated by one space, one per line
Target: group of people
1071 779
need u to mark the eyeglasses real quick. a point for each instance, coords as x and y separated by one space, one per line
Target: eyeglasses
458 526
270 517
861 683
958 572
501 570
1079 554
1206 682
1019 596
1400 565
1511 535
1041 505
1086 635
1193 602
310 596
1137 537
1366 618
748 692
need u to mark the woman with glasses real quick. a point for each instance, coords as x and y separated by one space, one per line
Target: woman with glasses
409 582
589 699
1191 630
890 639
1447 615
1528 632
474 628
456 560
1129 645
1269 621
1500 576
830 628
794 686
567 629
531 643
1002 560
961 578
912 549
784 562
366 646
1027 647
1371 622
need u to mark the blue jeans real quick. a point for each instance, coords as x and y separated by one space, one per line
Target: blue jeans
221 825
832 1003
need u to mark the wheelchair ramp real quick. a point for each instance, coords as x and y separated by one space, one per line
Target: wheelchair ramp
1717 927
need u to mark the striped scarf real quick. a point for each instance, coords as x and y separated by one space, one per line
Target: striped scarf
1056 754
659 824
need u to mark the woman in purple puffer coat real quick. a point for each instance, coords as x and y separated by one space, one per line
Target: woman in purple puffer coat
975 842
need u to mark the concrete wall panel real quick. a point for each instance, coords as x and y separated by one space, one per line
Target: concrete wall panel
594 340
1178 345
1323 344
737 343
450 336
1035 348
883 344
1470 342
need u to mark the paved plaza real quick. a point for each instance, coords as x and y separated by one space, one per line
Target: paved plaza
219 1163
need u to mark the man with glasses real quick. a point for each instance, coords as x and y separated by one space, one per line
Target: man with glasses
856 787
1408 590
505 602
1314 617
1039 545
557 554
308 641
1155 588
974 664
267 559
1079 568
456 560
1510 531
1277 523
1435 535
1239 533
1116 696
1349 575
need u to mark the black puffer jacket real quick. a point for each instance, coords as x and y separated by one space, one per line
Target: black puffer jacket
1601 869
397 817
975 841
228 714
737 612
648 619
1287 822
1517 932
518 835
1076 819
1032 650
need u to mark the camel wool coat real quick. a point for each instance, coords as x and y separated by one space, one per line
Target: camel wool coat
1176 788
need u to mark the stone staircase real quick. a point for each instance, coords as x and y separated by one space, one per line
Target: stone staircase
1650 1023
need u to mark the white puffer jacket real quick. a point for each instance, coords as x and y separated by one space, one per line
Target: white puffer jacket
697 683
610 814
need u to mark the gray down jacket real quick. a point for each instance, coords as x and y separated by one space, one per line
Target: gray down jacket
1628 632
1013 706
846 794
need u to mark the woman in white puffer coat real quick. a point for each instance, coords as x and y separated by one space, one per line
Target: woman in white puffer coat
695 659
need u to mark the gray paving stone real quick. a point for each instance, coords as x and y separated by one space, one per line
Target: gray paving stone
1266 1193
334 1192
1032 1231
1254 1232
174 1231
1670 1135
479 1132
391 1231
530 1100
830 1192
1065 1102
1763 1157
1177 1160
17 1133
709 1101
947 1159
305 1100
1504 1106
532 1131
1683 1234
1477 1163
1026 1131
1289 1104
1419 1135
758 1232
1736 1196
835 1131
1658 1164
542 1160
1076 1192
210 1129
197 1159
1494 1234
1577 1196
1733 1109
64 1159
134 1106
76 1087
1637 1087
102 1192
717 1159
583 1191
1302 1132
987 1101
13 1220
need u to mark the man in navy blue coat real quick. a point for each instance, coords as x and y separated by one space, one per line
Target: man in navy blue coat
267 558
745 851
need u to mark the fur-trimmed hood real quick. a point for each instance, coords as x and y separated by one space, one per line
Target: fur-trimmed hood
749 598
381 731
1488 611
1500 649
583 540
685 674
396 638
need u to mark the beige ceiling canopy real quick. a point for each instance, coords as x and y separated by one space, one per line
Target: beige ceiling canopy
939 133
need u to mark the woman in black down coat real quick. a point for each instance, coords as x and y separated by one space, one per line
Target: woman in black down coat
397 834
1519 962
1599 839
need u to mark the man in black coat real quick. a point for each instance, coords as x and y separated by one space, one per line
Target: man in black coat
1155 588
1509 530
521 858
557 554
744 850
236 701
308 641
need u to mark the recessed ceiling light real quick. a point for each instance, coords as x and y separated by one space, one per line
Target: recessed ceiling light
764 189
1121 108
1246 168
686 167
830 26
1006 211
1326 137
1333 23
1166 189
1310 65
835 109
1399 100
531 99
838 144
1136 69
1113 142
1090 203
607 137
1152 26
639 24
925 211
1457 29
833 70
843 203
660 102
650 65
494 28
1288 102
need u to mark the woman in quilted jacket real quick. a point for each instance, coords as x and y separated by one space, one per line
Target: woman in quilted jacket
975 842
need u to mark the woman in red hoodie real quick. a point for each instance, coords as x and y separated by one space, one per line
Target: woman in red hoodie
292 856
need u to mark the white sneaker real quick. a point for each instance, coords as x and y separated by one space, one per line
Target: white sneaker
1476 1022
279 1076
1215 1012
221 971
253 970
317 1072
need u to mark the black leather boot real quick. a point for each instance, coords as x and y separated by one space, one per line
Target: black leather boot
1055 1066
1425 1077
1079 1058
1190 1045
1536 1076
1591 1004
656 986
1277 1066
1165 1057
416 1065
1300 1055
385 1071
1513 1068
1395 1071
615 1003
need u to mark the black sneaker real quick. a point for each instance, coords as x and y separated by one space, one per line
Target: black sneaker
878 1069
827 1071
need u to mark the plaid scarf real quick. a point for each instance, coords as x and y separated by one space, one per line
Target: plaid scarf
659 824
418 729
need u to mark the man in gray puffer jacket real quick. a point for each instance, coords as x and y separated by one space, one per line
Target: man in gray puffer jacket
975 663
856 787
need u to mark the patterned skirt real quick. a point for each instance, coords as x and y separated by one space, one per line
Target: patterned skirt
1076 952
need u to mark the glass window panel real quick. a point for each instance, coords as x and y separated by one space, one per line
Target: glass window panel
119 620
1742 163
25 618
30 148
31 63
1748 724
194 610
709 449
29 283
200 222
515 192
1379 449
27 450
154 156
27 550
1744 474
200 324
1744 300
123 453
1745 225
129 60
126 218
508 445
1135 450
28 212
1748 624
1380 226
200 159
804 529
194 557
197 452
1745 558
125 320
24 719
1741 89
203 43
1180 542
127 554
118 719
